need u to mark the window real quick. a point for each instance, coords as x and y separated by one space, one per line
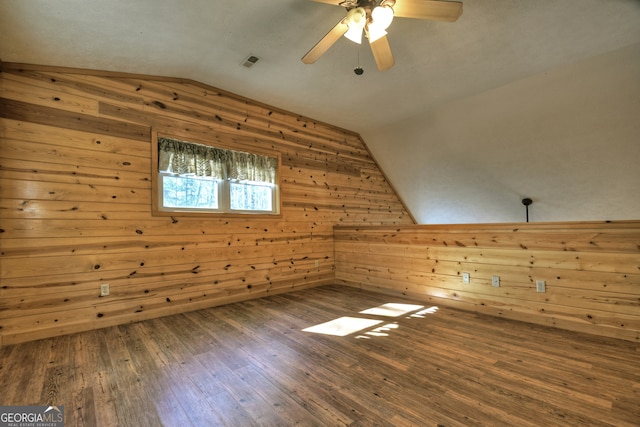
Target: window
198 178
189 192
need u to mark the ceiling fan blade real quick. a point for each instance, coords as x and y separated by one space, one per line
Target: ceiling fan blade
325 43
333 2
382 53
436 10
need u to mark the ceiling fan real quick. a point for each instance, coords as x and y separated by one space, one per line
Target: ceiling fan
373 17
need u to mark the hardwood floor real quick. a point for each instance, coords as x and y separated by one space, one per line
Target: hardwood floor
251 364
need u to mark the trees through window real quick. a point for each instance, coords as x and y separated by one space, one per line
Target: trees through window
199 178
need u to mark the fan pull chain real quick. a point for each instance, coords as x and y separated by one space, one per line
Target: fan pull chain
358 70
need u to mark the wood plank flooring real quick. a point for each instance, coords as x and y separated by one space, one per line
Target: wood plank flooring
251 364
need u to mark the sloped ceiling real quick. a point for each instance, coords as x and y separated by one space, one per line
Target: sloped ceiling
495 44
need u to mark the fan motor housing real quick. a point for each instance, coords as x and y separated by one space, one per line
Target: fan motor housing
368 5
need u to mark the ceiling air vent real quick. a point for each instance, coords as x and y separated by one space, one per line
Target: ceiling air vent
250 61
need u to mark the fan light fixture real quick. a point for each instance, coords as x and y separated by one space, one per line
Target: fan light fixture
356 21
381 18
374 25
373 17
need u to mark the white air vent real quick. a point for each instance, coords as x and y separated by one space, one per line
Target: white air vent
250 61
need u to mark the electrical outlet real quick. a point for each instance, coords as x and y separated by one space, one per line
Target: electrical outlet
495 281
317 263
541 286
466 278
104 289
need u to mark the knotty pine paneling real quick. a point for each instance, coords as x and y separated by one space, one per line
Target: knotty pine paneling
75 205
591 269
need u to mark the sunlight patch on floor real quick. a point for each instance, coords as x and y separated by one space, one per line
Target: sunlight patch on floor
421 313
343 326
392 309
380 331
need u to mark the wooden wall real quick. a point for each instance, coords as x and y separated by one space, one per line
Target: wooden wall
75 202
75 212
591 269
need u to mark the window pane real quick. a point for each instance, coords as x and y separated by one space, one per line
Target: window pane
251 197
189 192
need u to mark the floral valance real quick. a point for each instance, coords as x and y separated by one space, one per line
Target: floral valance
187 158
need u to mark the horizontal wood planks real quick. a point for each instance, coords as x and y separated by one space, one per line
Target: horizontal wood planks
591 270
75 201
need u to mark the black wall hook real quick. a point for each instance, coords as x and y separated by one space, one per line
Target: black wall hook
526 202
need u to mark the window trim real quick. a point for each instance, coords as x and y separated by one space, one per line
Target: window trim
156 198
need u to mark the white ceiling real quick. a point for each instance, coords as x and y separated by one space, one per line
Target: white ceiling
494 43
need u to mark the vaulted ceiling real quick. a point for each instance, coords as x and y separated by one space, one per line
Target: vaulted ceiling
495 43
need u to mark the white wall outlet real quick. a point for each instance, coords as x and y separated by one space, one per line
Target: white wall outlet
541 286
495 281
466 278
317 263
104 289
